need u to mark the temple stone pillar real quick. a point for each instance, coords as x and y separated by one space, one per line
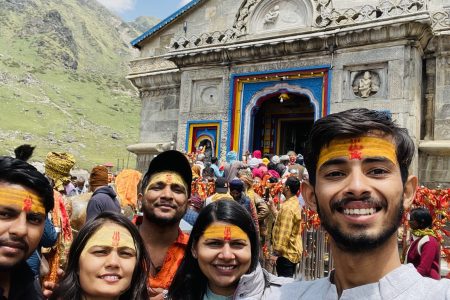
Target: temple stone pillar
160 94
434 150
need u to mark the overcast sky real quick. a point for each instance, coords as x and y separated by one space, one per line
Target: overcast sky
131 9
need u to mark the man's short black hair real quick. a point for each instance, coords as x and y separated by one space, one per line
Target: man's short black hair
16 171
422 217
213 160
293 184
355 123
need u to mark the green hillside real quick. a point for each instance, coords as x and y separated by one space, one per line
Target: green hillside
62 81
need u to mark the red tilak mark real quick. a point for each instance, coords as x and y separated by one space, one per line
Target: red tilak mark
227 233
355 149
27 203
115 239
169 178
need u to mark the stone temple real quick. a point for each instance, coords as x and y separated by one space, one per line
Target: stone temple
255 74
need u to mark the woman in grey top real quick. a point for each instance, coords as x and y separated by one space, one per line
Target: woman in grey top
221 261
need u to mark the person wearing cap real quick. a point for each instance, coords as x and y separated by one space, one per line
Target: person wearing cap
222 192
254 163
231 166
164 194
275 159
237 192
104 197
257 154
265 161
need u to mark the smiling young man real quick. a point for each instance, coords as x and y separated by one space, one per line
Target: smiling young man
359 184
25 198
165 190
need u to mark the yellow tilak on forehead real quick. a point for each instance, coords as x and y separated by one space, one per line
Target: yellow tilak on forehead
168 178
225 232
27 201
358 148
110 236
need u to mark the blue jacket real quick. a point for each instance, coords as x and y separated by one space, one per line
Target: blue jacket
190 216
48 239
103 199
217 172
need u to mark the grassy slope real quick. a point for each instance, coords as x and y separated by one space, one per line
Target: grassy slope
65 110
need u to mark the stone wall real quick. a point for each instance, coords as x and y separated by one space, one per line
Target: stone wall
404 51
211 16
434 161
434 171
204 96
442 100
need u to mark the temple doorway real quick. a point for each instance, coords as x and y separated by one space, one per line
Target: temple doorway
282 122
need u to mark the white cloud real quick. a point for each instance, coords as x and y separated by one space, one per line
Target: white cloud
118 6
183 3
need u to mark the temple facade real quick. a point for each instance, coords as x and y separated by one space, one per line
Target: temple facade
255 74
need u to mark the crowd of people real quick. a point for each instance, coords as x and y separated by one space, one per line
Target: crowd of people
246 222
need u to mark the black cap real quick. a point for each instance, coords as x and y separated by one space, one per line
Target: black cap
221 185
173 161
236 185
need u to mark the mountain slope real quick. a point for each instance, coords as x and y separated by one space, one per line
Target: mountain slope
62 80
143 23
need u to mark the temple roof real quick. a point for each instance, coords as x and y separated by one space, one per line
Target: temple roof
165 22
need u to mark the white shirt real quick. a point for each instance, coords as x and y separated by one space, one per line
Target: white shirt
402 283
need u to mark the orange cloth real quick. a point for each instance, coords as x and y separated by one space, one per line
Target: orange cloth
173 259
127 185
58 256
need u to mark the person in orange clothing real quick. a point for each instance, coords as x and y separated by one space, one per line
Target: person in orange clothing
127 187
164 194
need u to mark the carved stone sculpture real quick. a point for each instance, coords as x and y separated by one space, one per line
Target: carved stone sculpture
365 86
272 15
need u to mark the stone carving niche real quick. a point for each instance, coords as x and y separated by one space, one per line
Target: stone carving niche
366 84
278 15
206 95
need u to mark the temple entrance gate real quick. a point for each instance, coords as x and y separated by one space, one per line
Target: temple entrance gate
274 111
281 122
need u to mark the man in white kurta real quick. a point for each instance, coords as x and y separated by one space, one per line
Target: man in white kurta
358 163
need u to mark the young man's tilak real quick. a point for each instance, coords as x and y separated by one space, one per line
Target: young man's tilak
225 232
358 148
110 235
168 178
26 200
